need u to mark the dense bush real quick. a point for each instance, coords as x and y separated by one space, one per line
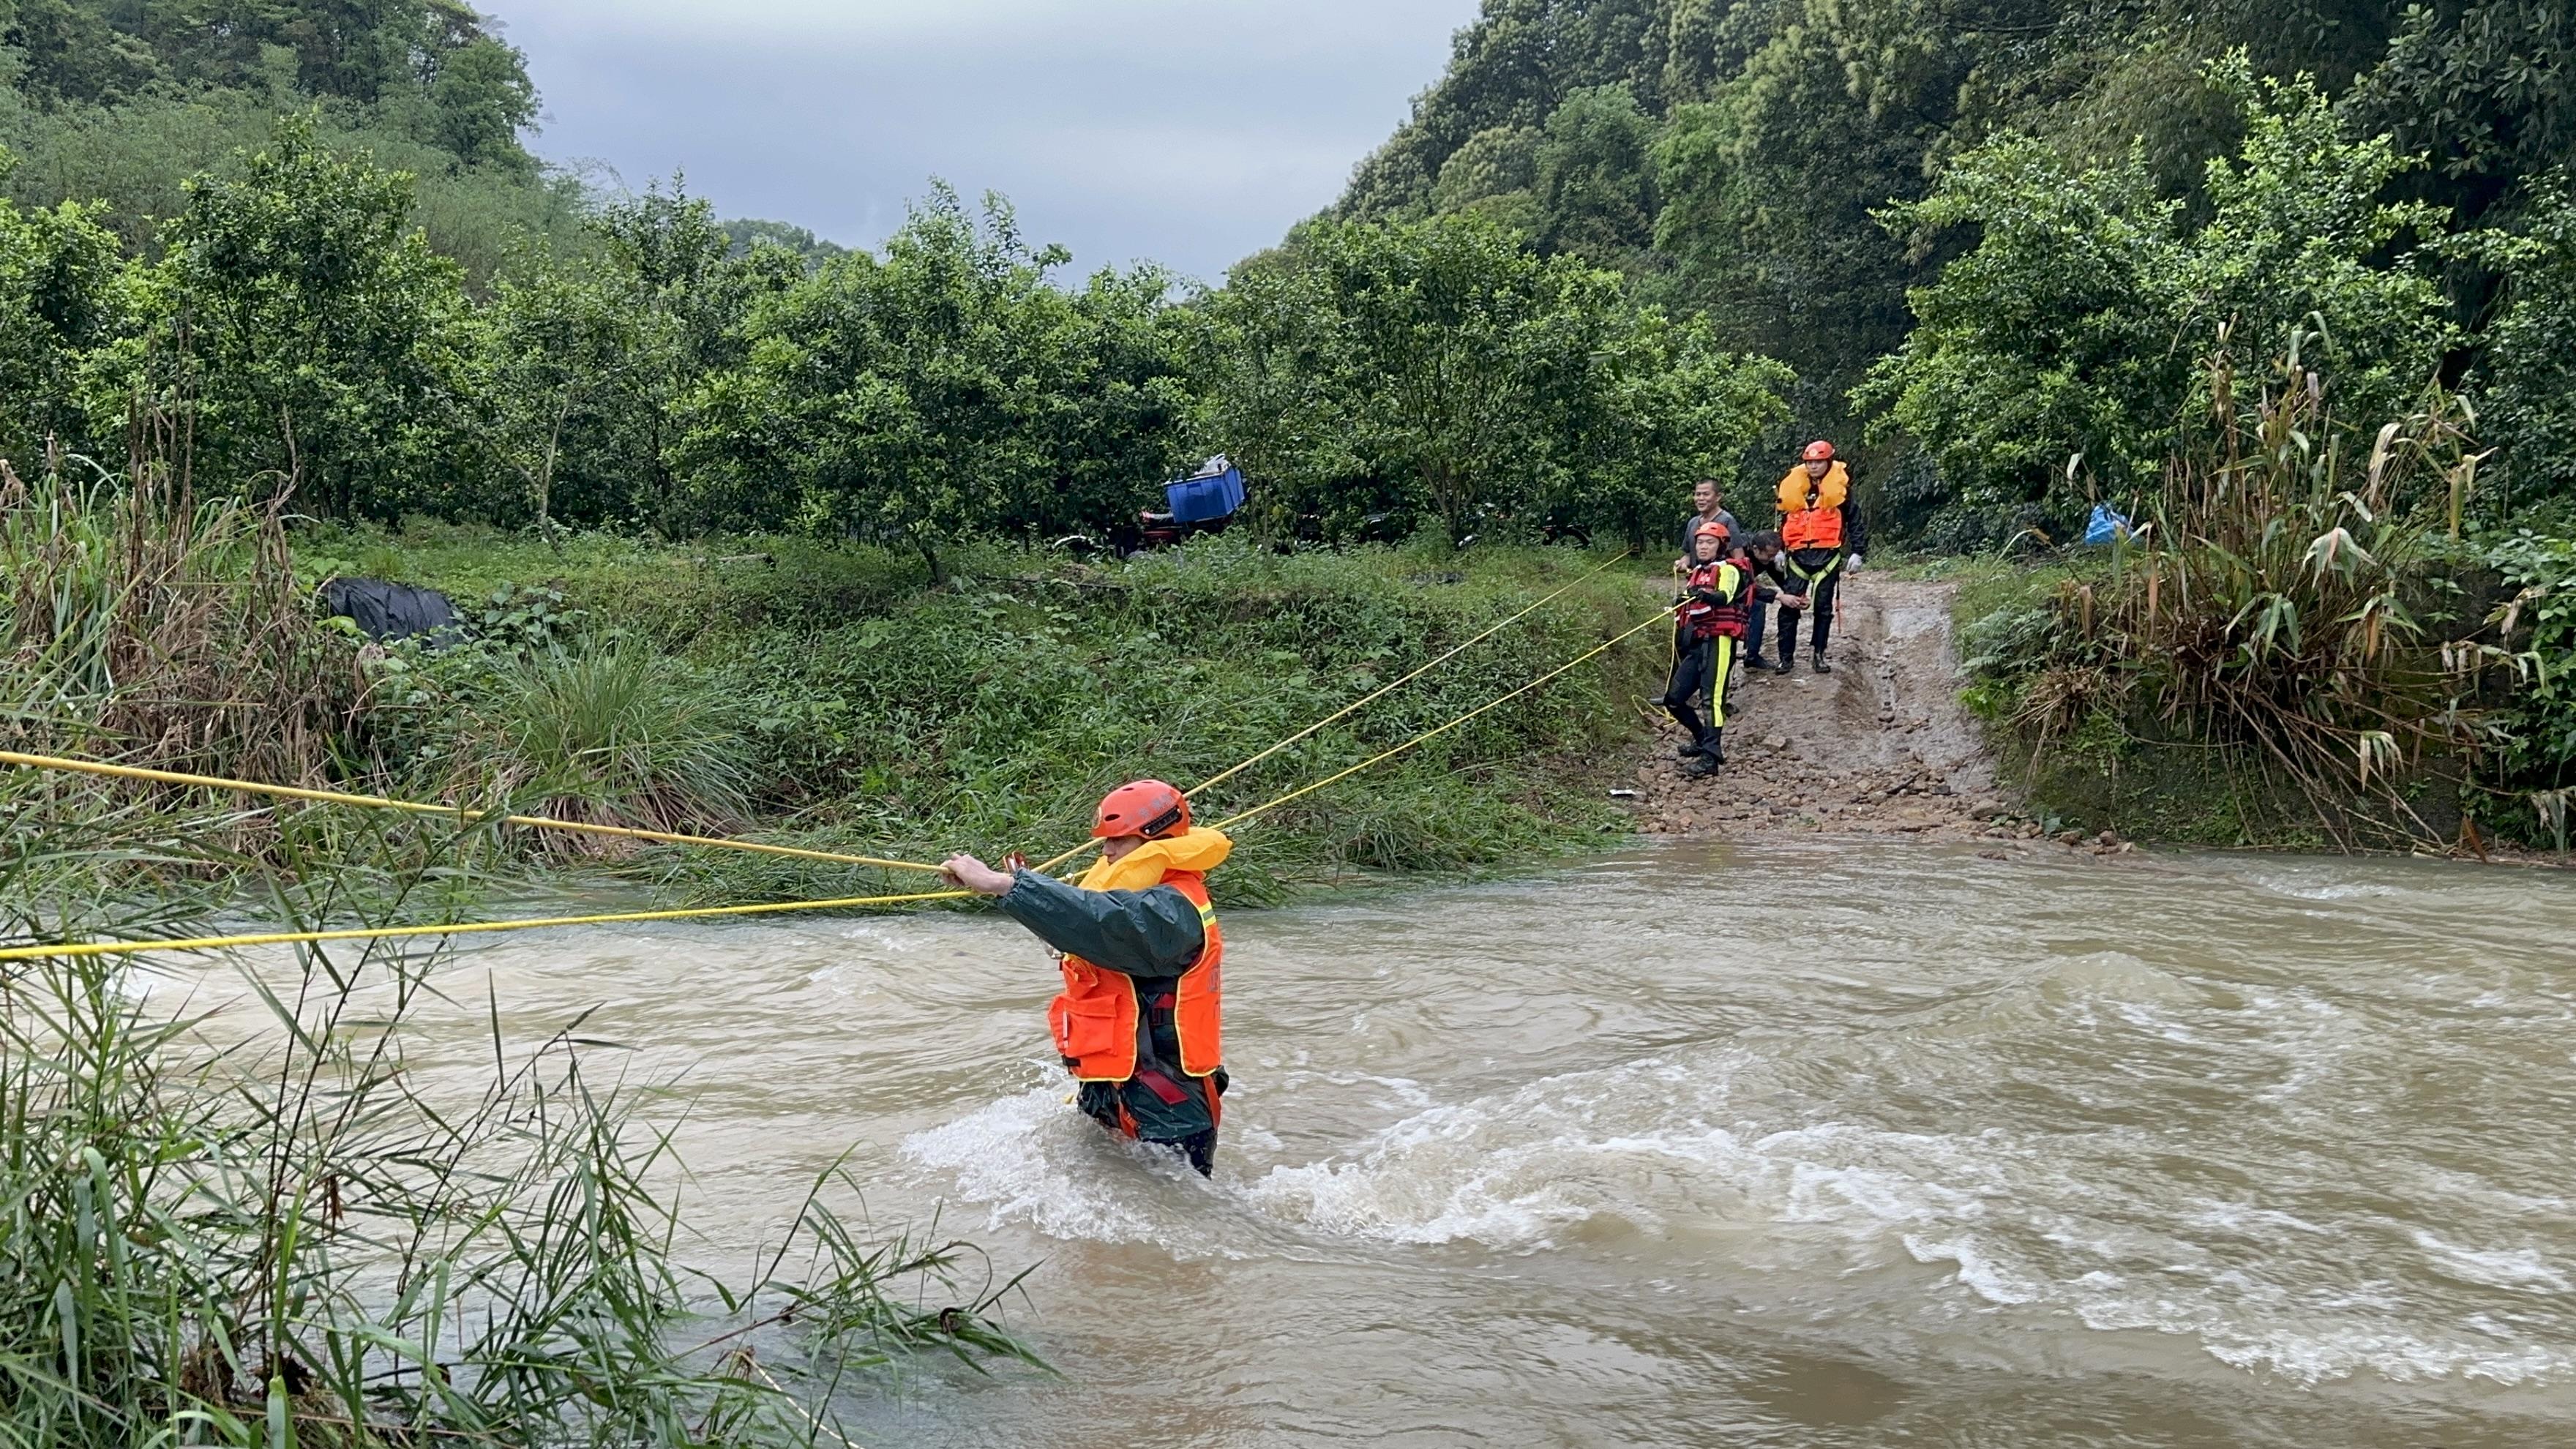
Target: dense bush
2058 359
1440 370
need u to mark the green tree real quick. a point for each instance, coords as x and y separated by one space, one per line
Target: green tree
567 367
58 267
2488 87
306 331
944 389
1437 368
2526 381
2073 329
691 296
1595 176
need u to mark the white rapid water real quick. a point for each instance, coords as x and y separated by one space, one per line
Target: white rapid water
1828 1144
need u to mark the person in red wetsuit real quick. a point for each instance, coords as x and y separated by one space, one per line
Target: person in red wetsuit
1707 624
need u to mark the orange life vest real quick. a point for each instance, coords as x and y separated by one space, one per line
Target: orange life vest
1811 509
1100 1026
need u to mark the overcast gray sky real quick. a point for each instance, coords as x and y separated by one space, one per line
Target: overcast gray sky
1191 132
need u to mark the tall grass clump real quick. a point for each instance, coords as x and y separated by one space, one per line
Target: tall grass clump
612 734
2280 602
140 620
285 1231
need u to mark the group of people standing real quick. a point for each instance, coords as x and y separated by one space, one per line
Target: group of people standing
1732 578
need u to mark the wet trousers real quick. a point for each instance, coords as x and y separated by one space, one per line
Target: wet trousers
1820 571
1199 1148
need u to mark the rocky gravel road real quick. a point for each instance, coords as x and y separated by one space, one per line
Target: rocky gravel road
1880 746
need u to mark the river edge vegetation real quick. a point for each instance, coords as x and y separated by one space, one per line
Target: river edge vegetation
753 532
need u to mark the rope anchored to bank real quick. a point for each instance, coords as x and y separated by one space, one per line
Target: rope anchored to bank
356 933
1381 692
464 814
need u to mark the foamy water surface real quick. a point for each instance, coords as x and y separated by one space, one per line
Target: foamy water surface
1844 1144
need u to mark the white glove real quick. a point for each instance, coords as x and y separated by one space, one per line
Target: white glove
1854 565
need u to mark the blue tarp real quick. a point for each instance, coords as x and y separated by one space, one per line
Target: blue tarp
2105 527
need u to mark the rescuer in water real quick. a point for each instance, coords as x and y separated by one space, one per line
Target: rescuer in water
1706 626
1136 1022
1821 534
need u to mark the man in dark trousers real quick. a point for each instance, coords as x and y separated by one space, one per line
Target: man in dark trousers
1707 625
1137 1021
1821 535
1758 555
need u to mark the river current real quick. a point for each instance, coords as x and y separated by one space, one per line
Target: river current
1816 1144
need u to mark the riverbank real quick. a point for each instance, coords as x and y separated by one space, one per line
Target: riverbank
1883 746
276 1194
1893 743
825 697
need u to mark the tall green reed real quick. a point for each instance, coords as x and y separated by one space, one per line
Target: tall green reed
2279 602
282 1231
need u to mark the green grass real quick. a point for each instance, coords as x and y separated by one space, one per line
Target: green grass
880 714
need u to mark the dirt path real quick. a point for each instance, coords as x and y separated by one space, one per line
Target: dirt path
1879 746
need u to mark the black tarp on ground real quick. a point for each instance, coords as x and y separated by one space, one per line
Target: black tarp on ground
391 611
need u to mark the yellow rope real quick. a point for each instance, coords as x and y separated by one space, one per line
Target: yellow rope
461 813
1355 705
1439 730
1367 699
465 928
276 938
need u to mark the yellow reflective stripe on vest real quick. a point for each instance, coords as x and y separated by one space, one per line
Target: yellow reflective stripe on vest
1830 565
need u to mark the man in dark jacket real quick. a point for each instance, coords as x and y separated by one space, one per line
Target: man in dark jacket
1137 1022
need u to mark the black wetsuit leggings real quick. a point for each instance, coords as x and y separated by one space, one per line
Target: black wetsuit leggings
1700 673
1820 571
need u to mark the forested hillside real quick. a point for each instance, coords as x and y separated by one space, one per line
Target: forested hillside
2290 285
1760 161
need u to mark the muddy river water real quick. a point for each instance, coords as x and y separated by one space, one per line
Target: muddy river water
1864 1143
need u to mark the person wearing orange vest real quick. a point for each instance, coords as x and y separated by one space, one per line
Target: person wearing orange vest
1707 624
1138 1020
1821 534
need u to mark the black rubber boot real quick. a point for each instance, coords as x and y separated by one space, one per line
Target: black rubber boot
1821 666
1690 751
1700 767
1713 749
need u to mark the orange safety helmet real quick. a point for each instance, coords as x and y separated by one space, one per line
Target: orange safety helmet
1820 451
1148 808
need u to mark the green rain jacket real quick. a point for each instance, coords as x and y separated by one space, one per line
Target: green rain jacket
1150 935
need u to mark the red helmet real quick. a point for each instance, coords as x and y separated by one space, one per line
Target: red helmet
1820 451
1148 808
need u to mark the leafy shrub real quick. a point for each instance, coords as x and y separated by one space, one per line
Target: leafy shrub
2536 725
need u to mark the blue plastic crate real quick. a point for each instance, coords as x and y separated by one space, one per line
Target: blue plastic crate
1206 499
